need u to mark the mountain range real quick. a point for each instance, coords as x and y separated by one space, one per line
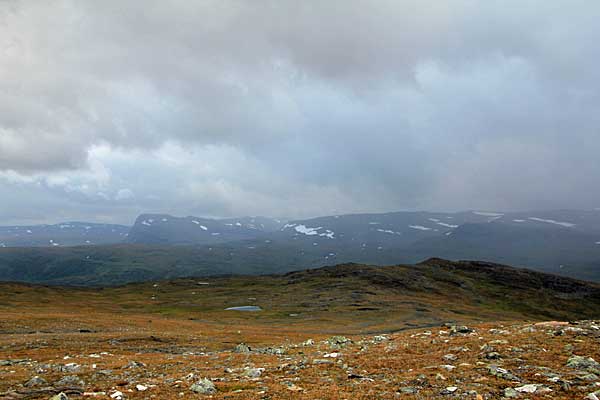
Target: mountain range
565 242
63 234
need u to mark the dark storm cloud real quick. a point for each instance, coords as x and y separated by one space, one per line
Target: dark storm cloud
296 108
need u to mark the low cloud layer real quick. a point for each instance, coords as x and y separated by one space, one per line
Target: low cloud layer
294 109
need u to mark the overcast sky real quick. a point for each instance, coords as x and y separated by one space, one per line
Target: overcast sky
296 108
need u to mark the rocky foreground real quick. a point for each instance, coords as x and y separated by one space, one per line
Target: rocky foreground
555 360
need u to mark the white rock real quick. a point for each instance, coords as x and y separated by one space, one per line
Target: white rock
117 395
526 389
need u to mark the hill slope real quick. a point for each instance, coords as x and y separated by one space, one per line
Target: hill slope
403 325
432 291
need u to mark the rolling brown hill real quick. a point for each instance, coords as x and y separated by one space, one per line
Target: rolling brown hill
435 329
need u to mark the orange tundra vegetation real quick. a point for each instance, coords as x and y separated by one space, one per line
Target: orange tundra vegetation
345 332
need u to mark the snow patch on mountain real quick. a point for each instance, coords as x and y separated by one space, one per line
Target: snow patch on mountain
388 231
551 221
447 225
488 214
307 231
419 227
314 231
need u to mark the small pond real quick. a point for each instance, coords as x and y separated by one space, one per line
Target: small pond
244 308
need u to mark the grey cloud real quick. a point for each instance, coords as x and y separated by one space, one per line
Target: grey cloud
299 108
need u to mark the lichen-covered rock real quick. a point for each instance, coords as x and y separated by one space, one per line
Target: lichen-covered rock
584 363
36 381
502 373
336 342
203 386
460 329
70 380
253 372
242 348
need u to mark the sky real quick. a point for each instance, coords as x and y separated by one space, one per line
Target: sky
296 108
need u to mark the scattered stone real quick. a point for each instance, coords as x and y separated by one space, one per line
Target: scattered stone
589 377
502 373
510 393
242 348
532 388
117 395
336 342
526 389
203 386
70 380
278 351
135 364
141 388
380 338
36 381
528 329
70 367
7 363
593 396
253 372
449 390
355 376
463 349
105 372
408 390
294 388
460 329
450 357
94 394
60 396
584 363
318 361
